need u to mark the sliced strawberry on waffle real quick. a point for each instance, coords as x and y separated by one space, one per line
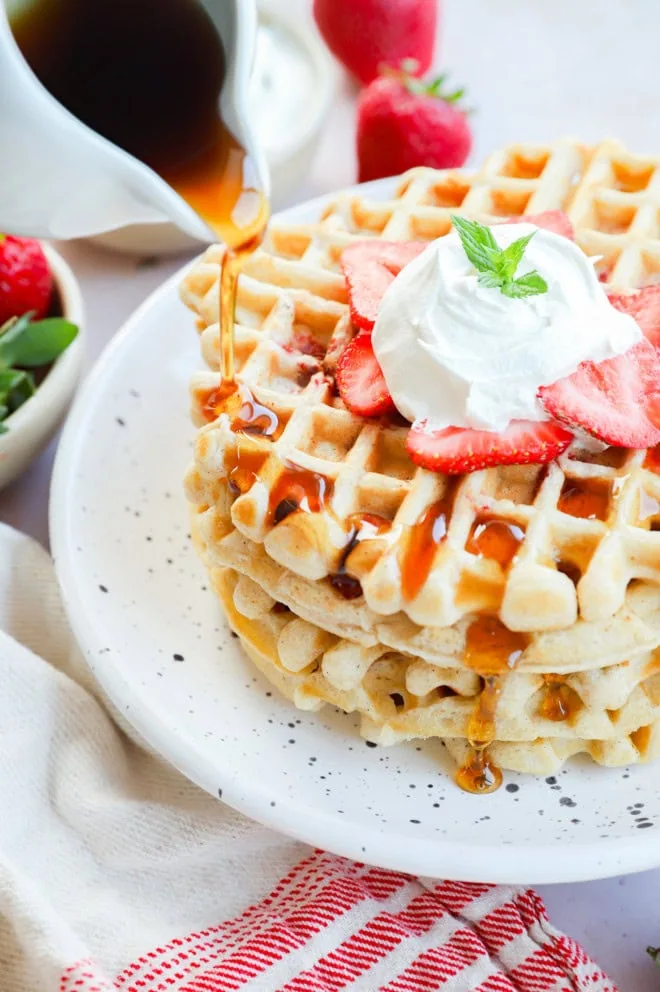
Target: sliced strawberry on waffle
644 306
360 380
369 267
616 401
456 450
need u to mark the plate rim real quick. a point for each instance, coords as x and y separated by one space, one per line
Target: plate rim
494 862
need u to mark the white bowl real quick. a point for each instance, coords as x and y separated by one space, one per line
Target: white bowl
35 422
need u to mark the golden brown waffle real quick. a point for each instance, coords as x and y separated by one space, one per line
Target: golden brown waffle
584 646
612 714
552 551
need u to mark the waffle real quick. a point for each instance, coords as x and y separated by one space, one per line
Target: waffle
566 556
612 714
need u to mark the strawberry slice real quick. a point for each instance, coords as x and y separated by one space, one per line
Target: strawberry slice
644 306
617 401
550 220
360 381
369 267
456 450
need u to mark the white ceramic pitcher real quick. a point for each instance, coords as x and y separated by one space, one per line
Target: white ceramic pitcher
60 179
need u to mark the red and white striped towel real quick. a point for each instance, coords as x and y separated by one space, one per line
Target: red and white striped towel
108 856
334 926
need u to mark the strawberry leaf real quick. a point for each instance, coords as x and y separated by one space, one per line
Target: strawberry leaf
407 74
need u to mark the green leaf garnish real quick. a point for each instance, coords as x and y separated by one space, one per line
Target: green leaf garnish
23 389
30 345
655 953
497 266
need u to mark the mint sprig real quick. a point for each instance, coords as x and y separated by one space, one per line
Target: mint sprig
497 266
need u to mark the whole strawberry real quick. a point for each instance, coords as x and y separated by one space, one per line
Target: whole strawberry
403 122
366 34
25 279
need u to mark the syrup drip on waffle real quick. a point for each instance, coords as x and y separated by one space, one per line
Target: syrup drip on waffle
652 461
559 703
496 539
362 527
491 649
582 498
424 538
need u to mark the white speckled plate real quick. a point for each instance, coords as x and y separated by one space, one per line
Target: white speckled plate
155 637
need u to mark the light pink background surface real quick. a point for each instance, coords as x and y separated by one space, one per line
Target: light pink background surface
535 71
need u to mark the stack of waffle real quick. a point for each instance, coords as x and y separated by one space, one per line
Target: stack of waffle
517 607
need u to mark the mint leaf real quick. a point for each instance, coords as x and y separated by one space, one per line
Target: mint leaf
30 345
491 280
655 953
511 257
497 266
478 242
531 284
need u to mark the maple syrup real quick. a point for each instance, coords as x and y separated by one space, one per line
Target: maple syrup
248 415
491 649
422 542
585 498
652 460
559 702
297 489
147 75
362 527
242 467
478 774
497 539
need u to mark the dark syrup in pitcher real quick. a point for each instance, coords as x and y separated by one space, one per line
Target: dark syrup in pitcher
147 75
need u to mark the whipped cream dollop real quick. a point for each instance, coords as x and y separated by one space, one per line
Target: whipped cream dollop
462 355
